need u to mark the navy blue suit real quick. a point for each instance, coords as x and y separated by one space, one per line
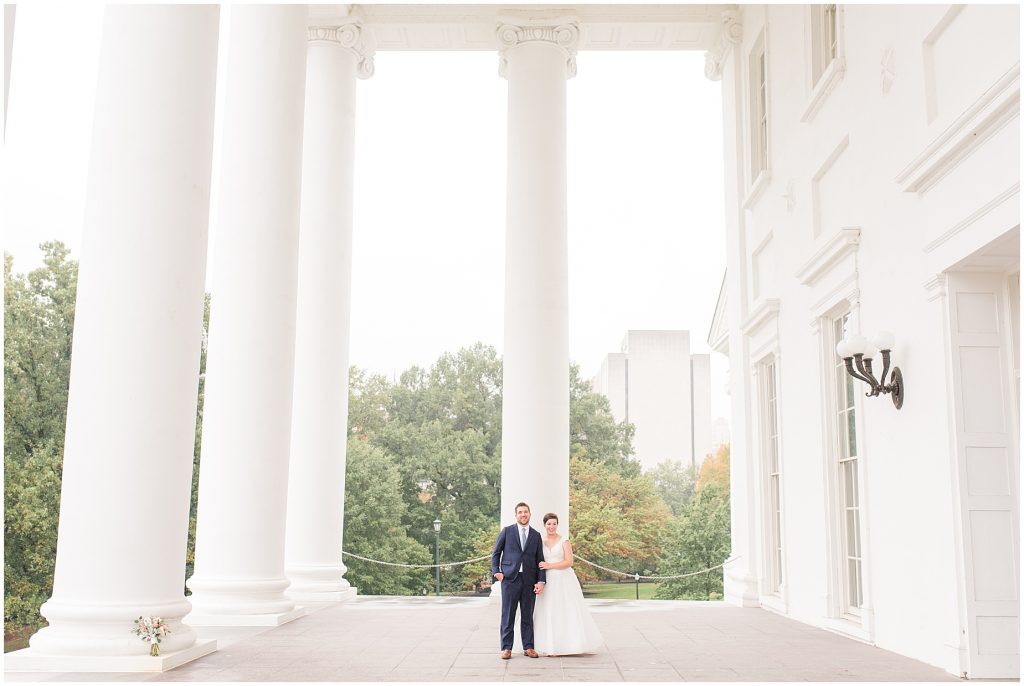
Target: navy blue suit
517 586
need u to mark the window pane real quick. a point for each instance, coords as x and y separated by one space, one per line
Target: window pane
851 433
853 595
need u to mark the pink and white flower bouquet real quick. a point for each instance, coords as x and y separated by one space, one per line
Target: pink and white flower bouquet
151 630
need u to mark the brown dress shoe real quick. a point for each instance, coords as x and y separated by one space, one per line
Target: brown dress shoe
506 655
530 652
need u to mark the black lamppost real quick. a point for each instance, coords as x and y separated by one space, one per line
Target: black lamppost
437 553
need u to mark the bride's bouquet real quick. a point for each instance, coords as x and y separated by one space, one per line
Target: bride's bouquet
151 630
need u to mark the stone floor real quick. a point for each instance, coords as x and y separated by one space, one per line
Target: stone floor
456 639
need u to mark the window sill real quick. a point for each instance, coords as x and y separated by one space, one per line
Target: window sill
850 628
830 78
775 603
757 189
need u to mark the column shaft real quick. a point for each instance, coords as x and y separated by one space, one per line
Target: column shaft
138 331
535 403
243 484
316 483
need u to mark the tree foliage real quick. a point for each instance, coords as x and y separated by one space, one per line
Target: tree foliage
675 484
374 516
421 447
699 537
715 469
39 312
615 520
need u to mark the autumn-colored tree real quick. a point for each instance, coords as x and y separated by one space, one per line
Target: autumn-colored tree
715 469
614 520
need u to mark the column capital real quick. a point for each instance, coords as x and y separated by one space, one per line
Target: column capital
564 33
731 34
348 35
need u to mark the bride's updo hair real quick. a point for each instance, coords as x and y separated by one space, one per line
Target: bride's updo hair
550 515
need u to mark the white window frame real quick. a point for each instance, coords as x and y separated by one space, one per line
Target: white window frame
826 55
758 120
843 407
771 468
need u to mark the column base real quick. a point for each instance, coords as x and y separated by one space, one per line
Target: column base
269 619
318 583
741 588
323 596
31 660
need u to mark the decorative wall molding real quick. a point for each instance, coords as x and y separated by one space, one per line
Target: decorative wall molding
843 243
350 36
766 312
847 289
996 107
730 35
822 172
936 287
995 202
757 188
564 34
888 66
790 196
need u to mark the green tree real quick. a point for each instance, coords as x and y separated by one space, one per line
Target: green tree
374 512
38 324
615 520
697 539
594 434
675 483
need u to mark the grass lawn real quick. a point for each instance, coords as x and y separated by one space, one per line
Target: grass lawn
620 591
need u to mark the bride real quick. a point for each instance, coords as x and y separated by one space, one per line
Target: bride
562 623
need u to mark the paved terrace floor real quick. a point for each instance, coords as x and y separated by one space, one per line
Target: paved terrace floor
378 638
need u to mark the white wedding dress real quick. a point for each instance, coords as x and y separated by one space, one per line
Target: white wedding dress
562 624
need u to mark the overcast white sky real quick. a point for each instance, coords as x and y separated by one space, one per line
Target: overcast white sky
646 236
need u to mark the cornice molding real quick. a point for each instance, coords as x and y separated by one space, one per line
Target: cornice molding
843 243
564 34
601 27
349 36
996 107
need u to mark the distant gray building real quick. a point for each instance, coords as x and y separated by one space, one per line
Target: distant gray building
664 391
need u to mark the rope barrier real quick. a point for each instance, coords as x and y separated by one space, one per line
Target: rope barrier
443 565
635 577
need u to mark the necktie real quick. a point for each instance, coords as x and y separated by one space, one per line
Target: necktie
522 538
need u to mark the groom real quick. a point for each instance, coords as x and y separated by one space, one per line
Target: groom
515 562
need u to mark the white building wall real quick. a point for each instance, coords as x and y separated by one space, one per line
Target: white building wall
659 395
700 403
656 385
915 148
611 383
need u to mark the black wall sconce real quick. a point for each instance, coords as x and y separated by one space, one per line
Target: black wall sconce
858 351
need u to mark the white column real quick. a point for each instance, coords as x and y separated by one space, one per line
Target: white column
316 480
138 331
740 575
536 60
243 484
